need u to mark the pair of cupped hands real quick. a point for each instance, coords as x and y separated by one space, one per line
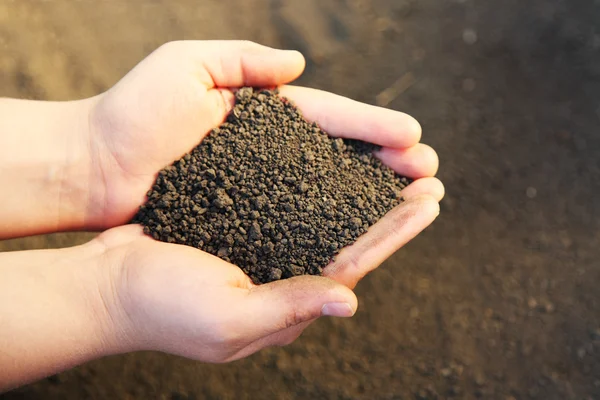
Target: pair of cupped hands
180 300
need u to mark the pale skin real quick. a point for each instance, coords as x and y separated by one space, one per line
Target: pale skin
87 164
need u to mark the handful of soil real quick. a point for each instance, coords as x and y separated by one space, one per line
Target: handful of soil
270 192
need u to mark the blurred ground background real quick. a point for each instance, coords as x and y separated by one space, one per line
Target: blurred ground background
499 299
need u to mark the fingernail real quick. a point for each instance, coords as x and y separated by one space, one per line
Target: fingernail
337 310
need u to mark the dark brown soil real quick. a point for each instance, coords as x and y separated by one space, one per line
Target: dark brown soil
499 299
270 192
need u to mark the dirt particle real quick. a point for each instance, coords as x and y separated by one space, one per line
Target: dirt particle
224 252
222 199
532 303
255 232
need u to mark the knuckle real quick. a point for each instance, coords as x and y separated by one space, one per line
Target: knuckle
296 316
353 267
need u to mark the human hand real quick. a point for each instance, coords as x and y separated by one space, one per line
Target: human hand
183 301
124 292
171 100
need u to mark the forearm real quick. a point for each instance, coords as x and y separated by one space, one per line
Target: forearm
52 315
44 166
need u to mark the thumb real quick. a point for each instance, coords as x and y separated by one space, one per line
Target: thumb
239 63
235 63
283 304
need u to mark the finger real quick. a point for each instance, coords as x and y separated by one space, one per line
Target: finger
343 117
280 305
415 162
237 63
389 234
430 186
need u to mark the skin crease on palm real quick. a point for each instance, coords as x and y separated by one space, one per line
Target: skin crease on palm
147 295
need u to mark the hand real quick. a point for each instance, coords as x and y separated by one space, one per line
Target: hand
172 99
180 300
183 301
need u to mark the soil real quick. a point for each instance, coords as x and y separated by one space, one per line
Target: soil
271 192
498 299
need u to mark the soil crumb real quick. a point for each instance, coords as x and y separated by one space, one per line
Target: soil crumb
270 192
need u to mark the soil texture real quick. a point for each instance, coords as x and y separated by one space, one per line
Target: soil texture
271 192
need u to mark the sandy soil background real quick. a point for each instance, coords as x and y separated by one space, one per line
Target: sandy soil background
499 299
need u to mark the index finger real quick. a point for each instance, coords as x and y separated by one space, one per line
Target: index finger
342 117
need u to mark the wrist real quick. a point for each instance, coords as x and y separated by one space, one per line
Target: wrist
82 186
103 290
64 316
45 160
